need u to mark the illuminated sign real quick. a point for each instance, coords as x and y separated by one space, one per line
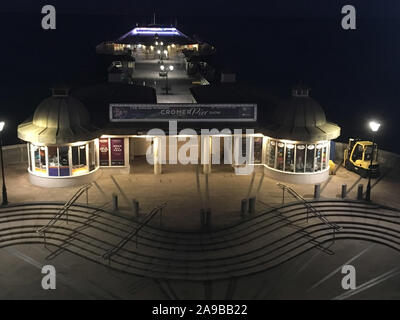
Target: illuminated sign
153 31
232 112
117 151
104 152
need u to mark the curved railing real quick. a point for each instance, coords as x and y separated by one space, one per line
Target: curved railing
253 246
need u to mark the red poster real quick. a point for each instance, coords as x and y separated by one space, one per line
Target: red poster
103 152
117 152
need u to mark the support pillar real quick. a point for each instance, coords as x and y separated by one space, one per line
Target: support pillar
206 154
244 208
360 192
317 191
157 155
135 208
344 191
252 205
114 202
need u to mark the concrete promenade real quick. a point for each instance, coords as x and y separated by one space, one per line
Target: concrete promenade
234 271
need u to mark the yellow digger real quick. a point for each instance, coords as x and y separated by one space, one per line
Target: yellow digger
357 158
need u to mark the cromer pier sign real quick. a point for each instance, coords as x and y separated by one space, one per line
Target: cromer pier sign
183 112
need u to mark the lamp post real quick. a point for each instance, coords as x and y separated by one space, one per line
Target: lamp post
374 128
5 201
165 72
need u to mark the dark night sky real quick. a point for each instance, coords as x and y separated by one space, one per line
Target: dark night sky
353 74
266 8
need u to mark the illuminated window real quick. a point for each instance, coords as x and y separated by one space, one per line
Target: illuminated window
79 164
310 158
271 153
289 158
279 156
300 157
324 157
52 153
258 149
92 156
40 159
64 160
318 157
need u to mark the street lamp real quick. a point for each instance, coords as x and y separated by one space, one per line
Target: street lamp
374 128
5 201
164 73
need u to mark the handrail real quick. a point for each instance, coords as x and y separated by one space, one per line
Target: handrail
158 209
92 215
63 210
334 226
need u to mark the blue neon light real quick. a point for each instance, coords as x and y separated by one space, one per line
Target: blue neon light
153 31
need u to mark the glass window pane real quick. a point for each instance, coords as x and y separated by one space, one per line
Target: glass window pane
300 154
289 160
40 159
92 158
324 157
318 157
82 155
64 161
53 161
279 156
79 160
43 157
75 156
368 153
271 154
310 158
358 153
258 149
37 157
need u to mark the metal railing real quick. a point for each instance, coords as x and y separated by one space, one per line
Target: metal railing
135 231
62 211
310 208
92 215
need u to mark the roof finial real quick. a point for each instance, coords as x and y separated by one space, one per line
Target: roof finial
300 90
60 90
154 18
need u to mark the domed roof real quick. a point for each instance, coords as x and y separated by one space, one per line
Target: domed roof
58 119
301 118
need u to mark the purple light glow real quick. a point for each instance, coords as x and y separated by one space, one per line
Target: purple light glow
153 31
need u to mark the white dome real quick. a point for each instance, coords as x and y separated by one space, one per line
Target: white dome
57 120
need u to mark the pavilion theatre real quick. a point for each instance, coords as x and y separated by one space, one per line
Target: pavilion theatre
78 133
291 142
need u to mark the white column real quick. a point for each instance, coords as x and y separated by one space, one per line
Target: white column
206 154
157 155
126 152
